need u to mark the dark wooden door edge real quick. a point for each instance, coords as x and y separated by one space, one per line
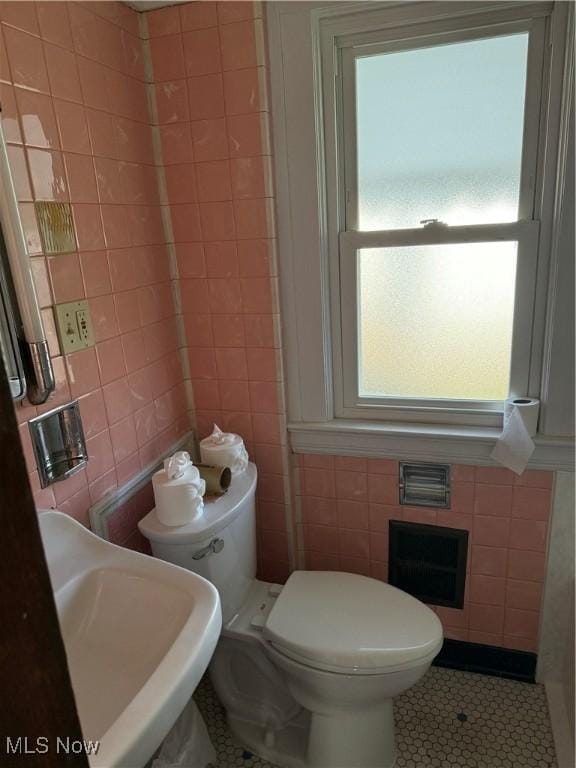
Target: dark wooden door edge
36 700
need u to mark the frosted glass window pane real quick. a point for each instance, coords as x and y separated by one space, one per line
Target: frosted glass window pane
435 321
439 133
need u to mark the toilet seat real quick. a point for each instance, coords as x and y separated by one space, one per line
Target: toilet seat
351 624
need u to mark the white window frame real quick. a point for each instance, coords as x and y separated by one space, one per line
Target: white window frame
303 45
345 239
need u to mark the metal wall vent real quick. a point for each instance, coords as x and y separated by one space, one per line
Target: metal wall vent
56 227
425 485
429 562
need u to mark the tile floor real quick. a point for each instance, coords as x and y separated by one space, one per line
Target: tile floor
449 720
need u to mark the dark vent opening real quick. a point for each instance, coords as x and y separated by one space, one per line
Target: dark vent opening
429 562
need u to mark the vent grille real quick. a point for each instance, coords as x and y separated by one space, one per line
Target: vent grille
429 562
56 227
439 583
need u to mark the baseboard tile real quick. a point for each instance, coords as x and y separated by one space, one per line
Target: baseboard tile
487 660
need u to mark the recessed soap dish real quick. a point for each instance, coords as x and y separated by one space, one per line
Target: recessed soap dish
58 442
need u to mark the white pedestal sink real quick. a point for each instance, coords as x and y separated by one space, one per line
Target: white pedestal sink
138 632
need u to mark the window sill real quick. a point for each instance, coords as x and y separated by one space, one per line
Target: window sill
452 444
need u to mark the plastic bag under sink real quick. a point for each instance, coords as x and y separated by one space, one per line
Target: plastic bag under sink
188 744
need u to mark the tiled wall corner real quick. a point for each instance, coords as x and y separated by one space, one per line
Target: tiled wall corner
212 117
166 212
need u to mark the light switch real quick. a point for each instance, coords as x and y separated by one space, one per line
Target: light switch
74 326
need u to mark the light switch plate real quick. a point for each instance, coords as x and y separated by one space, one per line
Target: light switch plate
74 326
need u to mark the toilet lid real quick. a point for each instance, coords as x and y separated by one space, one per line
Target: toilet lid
348 623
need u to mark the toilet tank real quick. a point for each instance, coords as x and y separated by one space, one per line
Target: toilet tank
220 544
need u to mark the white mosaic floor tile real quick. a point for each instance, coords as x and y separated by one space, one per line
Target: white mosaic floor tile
457 719
450 719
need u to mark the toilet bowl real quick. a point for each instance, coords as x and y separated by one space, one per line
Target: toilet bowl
307 671
352 718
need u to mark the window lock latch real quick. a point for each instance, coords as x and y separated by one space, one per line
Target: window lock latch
432 223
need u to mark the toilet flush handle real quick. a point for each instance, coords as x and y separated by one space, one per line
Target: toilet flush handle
215 546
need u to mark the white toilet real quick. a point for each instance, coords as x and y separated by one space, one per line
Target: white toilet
308 671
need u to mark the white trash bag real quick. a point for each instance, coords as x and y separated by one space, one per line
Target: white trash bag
187 745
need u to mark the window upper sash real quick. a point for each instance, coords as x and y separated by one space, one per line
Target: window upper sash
429 36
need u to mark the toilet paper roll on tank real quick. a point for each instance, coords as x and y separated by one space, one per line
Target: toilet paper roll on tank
178 490
180 486
224 449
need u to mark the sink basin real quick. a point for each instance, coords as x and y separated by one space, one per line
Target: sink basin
138 632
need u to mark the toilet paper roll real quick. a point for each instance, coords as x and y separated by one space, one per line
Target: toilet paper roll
224 449
217 479
178 499
515 445
177 464
529 409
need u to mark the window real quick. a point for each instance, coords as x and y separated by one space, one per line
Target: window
424 201
436 152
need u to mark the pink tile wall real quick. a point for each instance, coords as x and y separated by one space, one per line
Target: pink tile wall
76 118
346 504
123 522
209 76
75 115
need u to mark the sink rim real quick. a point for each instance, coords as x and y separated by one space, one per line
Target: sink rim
172 682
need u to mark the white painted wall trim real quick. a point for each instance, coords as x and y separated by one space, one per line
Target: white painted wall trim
557 614
558 370
462 445
562 728
101 512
